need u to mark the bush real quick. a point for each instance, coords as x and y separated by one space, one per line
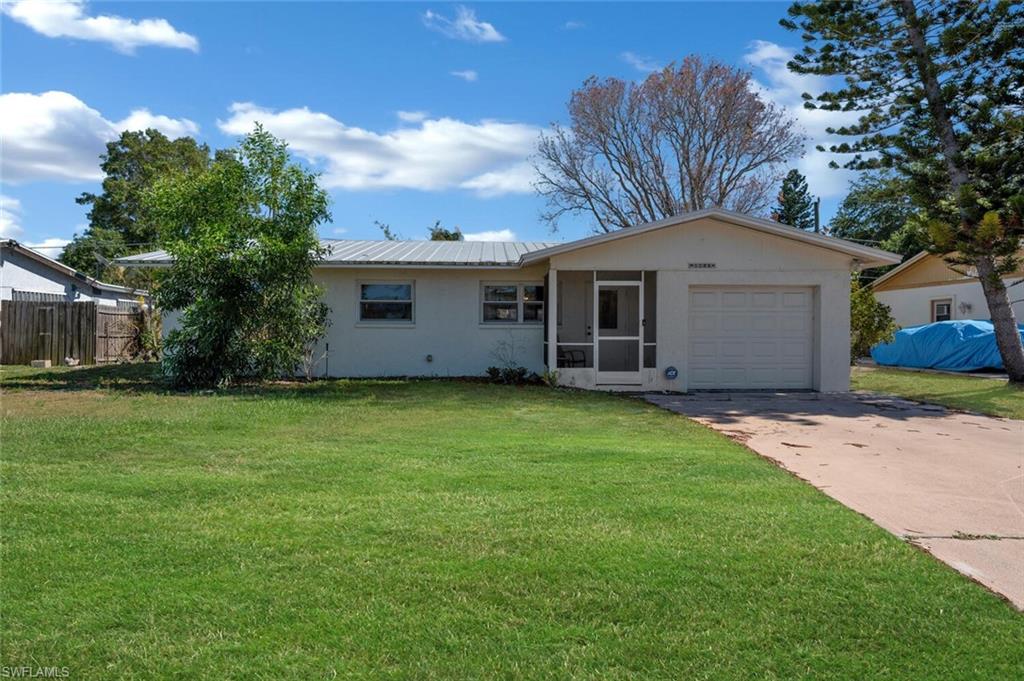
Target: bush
243 237
512 375
870 321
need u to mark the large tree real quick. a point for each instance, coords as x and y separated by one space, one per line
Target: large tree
116 226
243 238
939 87
795 206
878 211
691 136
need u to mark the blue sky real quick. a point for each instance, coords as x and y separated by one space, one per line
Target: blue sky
413 112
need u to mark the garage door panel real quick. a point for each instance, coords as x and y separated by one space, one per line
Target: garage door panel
704 376
751 337
735 322
797 325
734 376
700 323
701 299
761 323
733 350
796 299
732 299
795 350
702 350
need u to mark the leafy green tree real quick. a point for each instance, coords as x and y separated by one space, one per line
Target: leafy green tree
878 211
795 207
870 321
243 238
439 233
116 224
939 88
877 206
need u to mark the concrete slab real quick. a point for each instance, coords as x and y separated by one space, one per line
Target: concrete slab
950 482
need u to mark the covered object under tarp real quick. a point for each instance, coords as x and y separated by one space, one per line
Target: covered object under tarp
962 345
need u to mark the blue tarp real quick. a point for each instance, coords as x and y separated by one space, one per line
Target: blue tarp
965 345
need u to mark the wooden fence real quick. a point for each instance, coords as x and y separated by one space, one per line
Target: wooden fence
47 330
117 333
54 330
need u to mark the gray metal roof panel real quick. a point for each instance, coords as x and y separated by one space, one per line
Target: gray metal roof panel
418 253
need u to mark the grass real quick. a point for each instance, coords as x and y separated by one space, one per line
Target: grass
968 393
444 530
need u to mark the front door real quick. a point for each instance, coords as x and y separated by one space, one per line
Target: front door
619 347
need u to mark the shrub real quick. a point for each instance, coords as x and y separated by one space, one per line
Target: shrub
870 321
243 238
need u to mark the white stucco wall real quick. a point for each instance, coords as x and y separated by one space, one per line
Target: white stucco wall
741 257
447 325
18 273
912 306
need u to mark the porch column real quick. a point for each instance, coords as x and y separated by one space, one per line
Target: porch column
551 295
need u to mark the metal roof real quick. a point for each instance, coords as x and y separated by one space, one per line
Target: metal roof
346 252
476 253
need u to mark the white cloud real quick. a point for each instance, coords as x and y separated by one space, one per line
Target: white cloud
412 116
643 64
338 231
573 25
436 154
779 85
492 235
51 247
67 19
465 26
10 217
469 75
56 136
142 119
516 178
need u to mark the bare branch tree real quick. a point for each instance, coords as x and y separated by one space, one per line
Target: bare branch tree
689 137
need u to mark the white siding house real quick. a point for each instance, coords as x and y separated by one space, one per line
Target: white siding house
705 300
26 274
925 289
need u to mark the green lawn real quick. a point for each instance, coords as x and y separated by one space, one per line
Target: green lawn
970 393
444 530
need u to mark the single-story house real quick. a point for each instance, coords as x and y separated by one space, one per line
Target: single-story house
925 289
28 275
705 300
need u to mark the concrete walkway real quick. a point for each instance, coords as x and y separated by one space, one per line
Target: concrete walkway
949 482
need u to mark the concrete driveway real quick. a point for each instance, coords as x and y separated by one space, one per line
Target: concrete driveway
949 482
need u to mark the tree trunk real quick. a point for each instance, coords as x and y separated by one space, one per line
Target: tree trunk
1007 336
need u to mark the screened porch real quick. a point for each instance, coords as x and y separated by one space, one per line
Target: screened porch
604 324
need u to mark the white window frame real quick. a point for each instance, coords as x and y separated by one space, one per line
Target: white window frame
519 302
386 322
934 302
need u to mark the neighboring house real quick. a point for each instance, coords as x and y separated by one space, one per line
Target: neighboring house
926 289
711 299
27 275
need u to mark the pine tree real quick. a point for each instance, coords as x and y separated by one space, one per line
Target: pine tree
795 207
938 88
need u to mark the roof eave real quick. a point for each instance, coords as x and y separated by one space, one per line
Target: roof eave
868 257
70 271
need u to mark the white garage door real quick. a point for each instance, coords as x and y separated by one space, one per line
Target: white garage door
750 337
